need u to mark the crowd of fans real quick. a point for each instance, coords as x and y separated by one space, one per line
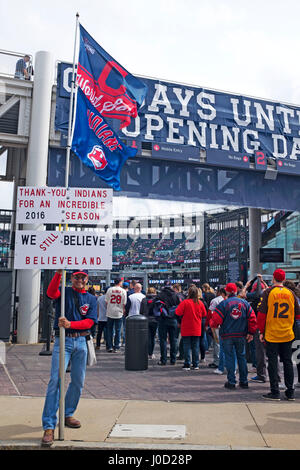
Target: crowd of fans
230 321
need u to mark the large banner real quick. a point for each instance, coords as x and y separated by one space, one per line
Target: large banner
180 181
200 145
212 120
178 114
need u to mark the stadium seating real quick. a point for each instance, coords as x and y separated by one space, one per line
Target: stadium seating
163 250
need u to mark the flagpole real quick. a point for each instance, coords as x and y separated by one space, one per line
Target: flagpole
62 329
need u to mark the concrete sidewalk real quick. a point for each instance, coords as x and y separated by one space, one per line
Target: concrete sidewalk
214 418
215 426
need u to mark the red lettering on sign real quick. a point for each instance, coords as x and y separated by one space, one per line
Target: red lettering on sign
25 203
260 158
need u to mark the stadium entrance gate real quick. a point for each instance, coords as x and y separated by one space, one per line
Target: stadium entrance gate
200 145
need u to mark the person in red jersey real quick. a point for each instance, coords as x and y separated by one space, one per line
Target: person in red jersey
191 310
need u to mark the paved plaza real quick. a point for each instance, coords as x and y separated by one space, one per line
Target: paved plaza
28 375
213 417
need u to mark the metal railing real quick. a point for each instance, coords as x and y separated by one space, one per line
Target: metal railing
8 65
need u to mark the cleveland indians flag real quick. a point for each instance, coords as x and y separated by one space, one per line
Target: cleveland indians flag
105 89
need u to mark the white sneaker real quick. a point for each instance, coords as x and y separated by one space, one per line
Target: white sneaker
281 386
218 371
152 356
202 361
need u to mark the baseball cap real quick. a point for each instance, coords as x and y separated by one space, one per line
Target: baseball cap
279 275
82 271
231 288
125 284
119 279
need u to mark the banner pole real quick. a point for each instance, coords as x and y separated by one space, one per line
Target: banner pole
62 329
70 126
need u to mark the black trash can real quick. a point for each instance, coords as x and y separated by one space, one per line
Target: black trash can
136 343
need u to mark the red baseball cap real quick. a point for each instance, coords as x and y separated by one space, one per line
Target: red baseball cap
78 271
231 288
279 275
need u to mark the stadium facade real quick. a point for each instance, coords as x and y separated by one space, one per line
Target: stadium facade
188 248
214 248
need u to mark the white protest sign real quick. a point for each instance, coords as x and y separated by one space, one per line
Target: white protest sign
63 250
85 206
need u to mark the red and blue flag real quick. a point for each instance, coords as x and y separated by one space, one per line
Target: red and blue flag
97 145
105 89
113 91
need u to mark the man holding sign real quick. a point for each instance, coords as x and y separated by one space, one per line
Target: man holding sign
80 316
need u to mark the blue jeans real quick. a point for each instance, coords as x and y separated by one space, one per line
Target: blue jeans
167 326
76 352
232 347
123 329
203 339
221 365
101 329
252 353
191 345
152 328
113 340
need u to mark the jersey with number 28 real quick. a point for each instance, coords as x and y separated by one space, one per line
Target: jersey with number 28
115 298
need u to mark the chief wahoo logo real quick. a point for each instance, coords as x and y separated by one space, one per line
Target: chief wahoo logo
97 157
84 309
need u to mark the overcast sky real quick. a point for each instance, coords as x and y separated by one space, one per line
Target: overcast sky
247 47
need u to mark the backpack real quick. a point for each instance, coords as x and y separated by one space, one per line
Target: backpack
172 311
149 304
160 309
